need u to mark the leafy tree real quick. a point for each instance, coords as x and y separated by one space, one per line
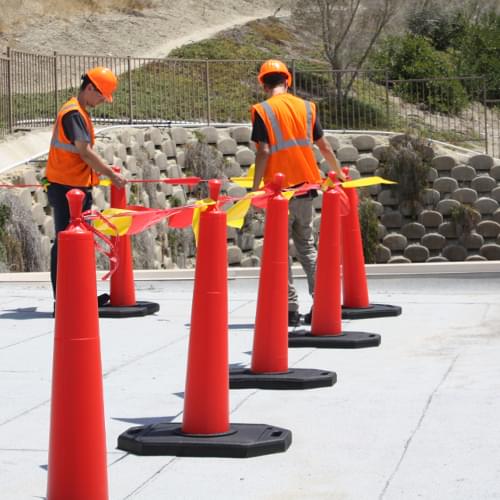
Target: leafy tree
478 51
441 26
409 58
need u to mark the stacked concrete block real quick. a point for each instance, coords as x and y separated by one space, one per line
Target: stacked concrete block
209 135
232 168
227 145
347 154
413 231
445 185
364 142
415 252
382 254
38 213
179 135
430 218
25 198
433 241
395 242
48 227
463 173
446 206
454 253
425 233
367 164
444 163
490 251
481 162
392 220
486 206
472 240
464 195
483 184
244 156
333 140
241 134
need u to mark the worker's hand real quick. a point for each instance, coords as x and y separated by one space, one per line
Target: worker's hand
118 180
341 177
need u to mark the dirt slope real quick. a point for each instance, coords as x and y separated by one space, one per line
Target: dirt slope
141 28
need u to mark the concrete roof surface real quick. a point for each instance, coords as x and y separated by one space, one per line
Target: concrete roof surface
416 418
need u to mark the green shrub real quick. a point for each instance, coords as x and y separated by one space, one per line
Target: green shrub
411 57
407 163
478 52
441 26
465 219
368 222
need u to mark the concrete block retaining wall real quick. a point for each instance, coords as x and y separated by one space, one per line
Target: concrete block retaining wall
454 178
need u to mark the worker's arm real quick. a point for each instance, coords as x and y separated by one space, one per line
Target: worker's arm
328 154
93 160
261 158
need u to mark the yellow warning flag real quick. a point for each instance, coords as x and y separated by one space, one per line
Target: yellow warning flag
122 224
247 181
366 181
236 214
200 206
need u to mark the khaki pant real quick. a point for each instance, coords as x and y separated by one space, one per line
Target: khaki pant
300 225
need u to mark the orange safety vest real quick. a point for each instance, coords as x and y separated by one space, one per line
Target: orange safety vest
65 165
289 122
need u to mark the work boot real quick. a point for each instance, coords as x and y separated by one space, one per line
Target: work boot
308 317
103 299
293 318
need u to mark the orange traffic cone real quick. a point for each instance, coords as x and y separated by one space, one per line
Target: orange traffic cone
355 288
206 399
205 430
77 449
269 368
326 327
122 302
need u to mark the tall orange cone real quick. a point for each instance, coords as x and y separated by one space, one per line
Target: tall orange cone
326 328
206 399
269 368
327 313
123 303
205 429
356 303
77 449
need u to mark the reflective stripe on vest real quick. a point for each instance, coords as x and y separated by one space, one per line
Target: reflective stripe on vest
55 142
280 142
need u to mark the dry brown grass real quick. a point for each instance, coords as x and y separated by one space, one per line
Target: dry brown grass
16 12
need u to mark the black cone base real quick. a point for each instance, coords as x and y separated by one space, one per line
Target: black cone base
141 308
294 378
243 441
346 340
372 311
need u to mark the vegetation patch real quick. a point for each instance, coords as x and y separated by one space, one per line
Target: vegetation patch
368 221
408 162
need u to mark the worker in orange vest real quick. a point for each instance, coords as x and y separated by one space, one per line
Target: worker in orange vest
284 128
72 161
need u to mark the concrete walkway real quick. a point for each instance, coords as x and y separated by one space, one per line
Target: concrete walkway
416 418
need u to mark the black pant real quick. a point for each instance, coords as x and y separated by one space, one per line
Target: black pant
57 199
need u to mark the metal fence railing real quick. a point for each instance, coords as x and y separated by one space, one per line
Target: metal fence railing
34 86
5 120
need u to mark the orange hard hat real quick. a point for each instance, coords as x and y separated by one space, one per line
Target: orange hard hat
274 66
104 80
